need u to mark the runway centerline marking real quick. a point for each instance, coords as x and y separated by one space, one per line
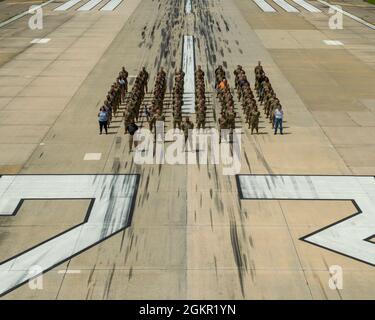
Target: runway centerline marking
188 66
110 211
348 237
188 7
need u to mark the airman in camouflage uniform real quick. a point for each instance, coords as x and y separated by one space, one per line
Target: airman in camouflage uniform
254 120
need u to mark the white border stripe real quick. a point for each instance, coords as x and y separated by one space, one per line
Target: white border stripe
307 6
264 6
67 5
188 66
285 5
111 5
89 5
2 24
367 24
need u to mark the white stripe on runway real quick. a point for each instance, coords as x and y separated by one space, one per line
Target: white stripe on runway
111 5
112 199
286 6
67 5
89 5
367 24
264 6
188 7
348 236
188 66
307 6
2 24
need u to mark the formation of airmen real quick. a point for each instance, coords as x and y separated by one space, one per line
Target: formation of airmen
265 93
200 98
246 95
224 94
267 96
115 95
134 101
158 99
178 94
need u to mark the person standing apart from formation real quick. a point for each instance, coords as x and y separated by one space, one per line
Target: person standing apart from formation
132 129
279 115
103 120
187 126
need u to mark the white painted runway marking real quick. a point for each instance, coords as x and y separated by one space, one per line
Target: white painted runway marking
348 236
111 5
264 6
18 16
67 5
112 203
333 43
92 156
188 7
89 5
188 66
307 6
285 5
367 24
40 41
69 271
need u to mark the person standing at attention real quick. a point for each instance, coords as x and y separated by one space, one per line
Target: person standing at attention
132 129
103 120
279 115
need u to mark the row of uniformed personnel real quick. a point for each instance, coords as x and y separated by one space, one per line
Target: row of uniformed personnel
267 95
246 95
200 98
134 101
224 94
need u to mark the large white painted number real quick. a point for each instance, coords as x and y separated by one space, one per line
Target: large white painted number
348 236
113 197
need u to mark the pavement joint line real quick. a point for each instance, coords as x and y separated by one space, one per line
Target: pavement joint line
2 24
367 24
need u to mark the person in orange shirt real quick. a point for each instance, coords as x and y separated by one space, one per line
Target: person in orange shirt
222 84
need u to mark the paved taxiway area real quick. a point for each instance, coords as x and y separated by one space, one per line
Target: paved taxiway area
191 236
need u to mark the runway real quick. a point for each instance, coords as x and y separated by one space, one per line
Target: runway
273 231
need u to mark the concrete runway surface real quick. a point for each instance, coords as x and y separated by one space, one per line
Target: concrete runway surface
301 209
